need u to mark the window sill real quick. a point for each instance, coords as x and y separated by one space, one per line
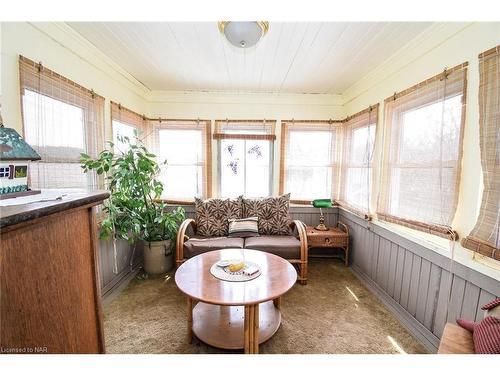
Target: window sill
465 257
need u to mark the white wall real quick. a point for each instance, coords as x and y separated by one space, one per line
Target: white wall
59 48
444 45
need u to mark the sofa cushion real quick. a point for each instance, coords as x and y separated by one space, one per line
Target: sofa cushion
212 215
247 227
273 214
287 247
198 245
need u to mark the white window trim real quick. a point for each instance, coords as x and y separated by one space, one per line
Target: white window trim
219 168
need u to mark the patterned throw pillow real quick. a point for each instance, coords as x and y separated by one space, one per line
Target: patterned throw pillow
492 304
244 227
213 215
486 336
274 218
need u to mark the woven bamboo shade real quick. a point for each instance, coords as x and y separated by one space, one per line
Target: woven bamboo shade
485 237
422 143
358 139
61 120
187 148
128 117
310 158
245 129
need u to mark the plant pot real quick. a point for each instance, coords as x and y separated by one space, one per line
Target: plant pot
158 257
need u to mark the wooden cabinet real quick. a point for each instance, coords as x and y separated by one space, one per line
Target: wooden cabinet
49 284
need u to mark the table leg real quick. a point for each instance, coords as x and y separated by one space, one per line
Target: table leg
256 330
277 303
346 256
251 329
190 319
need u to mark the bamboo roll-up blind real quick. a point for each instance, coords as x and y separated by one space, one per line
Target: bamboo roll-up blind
358 140
193 151
310 153
61 120
245 129
129 117
485 237
422 143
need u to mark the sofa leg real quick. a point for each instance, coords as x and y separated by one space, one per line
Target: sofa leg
303 273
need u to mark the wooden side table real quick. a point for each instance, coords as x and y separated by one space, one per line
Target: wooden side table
332 238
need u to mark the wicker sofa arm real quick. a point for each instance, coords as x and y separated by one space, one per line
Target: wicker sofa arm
301 230
181 238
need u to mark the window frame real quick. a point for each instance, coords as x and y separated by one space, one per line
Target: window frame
364 119
36 78
203 126
287 126
391 152
219 167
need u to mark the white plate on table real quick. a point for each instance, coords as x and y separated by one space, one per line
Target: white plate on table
227 262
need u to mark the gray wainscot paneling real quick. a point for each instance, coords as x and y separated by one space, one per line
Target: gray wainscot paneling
114 277
420 286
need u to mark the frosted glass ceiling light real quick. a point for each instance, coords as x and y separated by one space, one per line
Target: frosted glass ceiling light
243 34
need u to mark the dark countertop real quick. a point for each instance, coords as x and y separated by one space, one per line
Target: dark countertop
10 215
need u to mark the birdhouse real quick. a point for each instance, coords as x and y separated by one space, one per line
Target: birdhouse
15 155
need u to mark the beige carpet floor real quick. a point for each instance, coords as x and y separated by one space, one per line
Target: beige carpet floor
149 316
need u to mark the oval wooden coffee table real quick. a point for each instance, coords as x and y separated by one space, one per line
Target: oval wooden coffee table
234 314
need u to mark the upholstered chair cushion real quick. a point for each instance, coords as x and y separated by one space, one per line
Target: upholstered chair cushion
486 336
287 247
197 244
212 215
273 214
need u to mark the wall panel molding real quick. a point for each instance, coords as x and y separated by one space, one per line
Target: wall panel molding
423 288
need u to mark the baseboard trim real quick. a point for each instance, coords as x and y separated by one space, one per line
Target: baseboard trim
109 295
417 330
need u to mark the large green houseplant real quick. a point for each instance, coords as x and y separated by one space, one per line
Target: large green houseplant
134 211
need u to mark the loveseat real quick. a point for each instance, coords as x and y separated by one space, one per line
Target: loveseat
278 233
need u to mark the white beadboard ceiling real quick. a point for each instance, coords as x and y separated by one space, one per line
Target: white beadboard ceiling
302 57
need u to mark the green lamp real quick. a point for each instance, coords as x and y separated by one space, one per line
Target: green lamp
321 203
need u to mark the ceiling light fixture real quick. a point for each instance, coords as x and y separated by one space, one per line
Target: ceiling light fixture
243 34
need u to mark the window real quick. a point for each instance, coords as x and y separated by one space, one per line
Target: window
127 123
485 237
122 131
423 145
309 164
358 142
61 120
4 172
245 167
185 146
245 157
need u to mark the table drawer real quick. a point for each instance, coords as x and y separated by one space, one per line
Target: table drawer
319 241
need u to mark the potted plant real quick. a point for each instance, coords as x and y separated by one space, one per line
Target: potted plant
134 209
